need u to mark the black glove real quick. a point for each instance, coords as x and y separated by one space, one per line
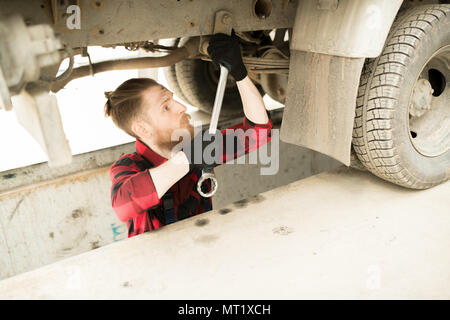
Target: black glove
197 147
225 50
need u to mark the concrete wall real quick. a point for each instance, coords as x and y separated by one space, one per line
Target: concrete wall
50 214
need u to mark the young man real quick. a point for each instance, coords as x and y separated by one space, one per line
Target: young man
154 186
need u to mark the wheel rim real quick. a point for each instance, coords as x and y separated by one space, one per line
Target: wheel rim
429 109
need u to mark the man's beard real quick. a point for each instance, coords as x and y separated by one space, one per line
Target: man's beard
165 138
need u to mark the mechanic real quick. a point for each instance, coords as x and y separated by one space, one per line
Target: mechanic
154 186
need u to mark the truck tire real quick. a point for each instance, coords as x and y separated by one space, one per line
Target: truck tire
171 76
402 118
198 81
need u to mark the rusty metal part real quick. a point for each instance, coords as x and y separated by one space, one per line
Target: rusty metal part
262 65
91 69
274 84
203 46
222 22
139 20
127 64
65 74
266 63
134 46
149 46
247 37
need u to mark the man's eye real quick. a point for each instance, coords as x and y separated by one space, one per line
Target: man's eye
165 108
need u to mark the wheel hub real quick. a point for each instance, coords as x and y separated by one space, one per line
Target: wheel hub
421 100
429 110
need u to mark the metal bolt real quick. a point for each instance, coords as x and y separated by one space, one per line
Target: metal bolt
226 19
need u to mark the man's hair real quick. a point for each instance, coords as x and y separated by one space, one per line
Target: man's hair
124 104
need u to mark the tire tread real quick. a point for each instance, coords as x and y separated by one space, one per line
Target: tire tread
380 80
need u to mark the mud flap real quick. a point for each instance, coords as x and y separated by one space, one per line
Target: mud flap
321 101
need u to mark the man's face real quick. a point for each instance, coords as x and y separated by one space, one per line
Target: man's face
165 115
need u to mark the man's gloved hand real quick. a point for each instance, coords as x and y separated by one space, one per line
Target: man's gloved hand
225 50
197 147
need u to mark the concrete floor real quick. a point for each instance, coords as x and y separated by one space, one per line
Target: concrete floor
343 234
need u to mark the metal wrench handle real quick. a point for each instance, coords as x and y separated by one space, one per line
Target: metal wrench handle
218 100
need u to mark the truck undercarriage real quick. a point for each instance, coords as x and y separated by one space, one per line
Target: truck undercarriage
309 55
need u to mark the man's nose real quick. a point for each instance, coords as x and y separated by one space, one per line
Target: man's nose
181 108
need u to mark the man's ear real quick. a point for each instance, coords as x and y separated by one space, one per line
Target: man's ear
141 129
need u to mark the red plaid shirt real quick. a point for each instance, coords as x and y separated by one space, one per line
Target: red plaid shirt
133 194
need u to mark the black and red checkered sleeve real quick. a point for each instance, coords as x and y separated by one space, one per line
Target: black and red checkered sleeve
244 137
132 190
